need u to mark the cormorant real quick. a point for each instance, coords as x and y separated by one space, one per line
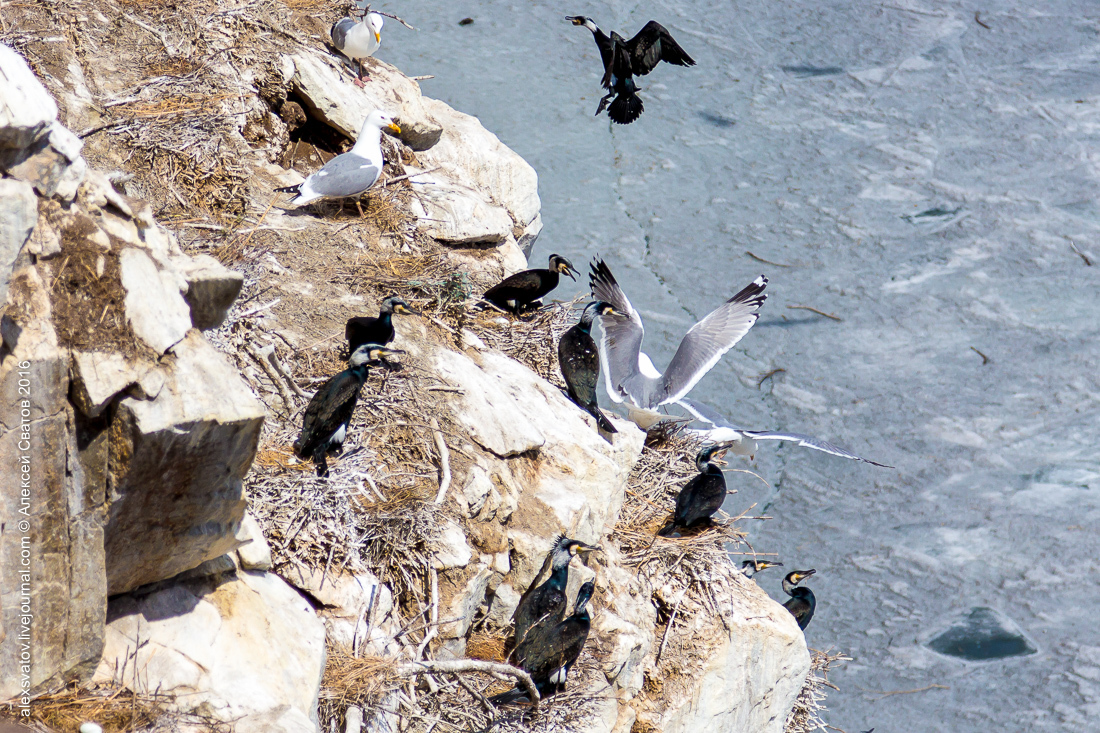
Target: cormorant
328 414
366 330
703 495
802 603
518 292
628 370
580 364
348 174
359 40
549 654
623 59
545 605
750 568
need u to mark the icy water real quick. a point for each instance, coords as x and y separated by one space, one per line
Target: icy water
924 179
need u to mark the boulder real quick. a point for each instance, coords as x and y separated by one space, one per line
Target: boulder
100 375
249 648
456 214
177 464
52 163
155 308
254 552
26 108
211 289
18 216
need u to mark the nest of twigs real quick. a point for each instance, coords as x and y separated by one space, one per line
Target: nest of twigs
116 709
532 338
805 716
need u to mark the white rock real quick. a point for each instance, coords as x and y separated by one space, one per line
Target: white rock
18 216
505 600
346 599
463 602
100 375
450 549
249 646
211 289
26 108
283 719
156 310
476 491
458 214
254 552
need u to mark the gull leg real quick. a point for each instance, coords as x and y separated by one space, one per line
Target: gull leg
360 207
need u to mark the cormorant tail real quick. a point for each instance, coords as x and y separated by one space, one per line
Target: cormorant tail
625 109
666 530
514 695
289 189
601 420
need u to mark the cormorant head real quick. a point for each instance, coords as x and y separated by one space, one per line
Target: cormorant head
795 577
711 455
375 21
394 304
581 20
583 596
566 549
562 265
752 567
382 120
372 355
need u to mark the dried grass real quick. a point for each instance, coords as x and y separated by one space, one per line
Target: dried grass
806 714
531 339
117 710
353 681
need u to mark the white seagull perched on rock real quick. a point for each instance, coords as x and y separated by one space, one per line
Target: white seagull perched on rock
359 40
631 376
348 174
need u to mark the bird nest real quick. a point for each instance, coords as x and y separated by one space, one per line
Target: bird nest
531 339
805 716
116 709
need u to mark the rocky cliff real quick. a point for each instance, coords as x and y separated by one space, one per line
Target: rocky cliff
165 322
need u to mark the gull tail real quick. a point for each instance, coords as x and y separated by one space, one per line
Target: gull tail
296 188
625 109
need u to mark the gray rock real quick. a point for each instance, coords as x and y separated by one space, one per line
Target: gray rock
254 552
458 214
26 108
211 289
100 375
52 163
177 463
18 215
154 306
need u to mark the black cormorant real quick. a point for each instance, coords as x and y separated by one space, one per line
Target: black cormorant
623 60
750 568
328 414
580 364
802 601
545 605
703 495
366 330
517 292
548 655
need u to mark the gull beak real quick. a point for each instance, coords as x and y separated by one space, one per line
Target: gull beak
393 126
377 37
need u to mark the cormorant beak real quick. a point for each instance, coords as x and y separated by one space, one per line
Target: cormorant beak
393 126
586 548
717 458
803 576
568 271
405 310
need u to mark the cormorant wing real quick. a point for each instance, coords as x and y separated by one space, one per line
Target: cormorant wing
330 407
606 48
807 441
339 32
347 174
618 61
621 341
710 338
654 44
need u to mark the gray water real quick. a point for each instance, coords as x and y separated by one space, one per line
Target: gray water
925 180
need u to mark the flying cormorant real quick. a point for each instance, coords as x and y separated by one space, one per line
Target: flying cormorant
703 495
549 654
545 605
328 414
623 59
518 292
630 374
348 174
580 365
359 40
802 603
366 330
750 568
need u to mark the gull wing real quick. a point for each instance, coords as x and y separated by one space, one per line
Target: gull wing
345 175
654 44
710 338
622 334
807 441
339 32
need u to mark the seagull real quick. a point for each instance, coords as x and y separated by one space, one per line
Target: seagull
743 442
359 40
348 174
623 59
631 376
